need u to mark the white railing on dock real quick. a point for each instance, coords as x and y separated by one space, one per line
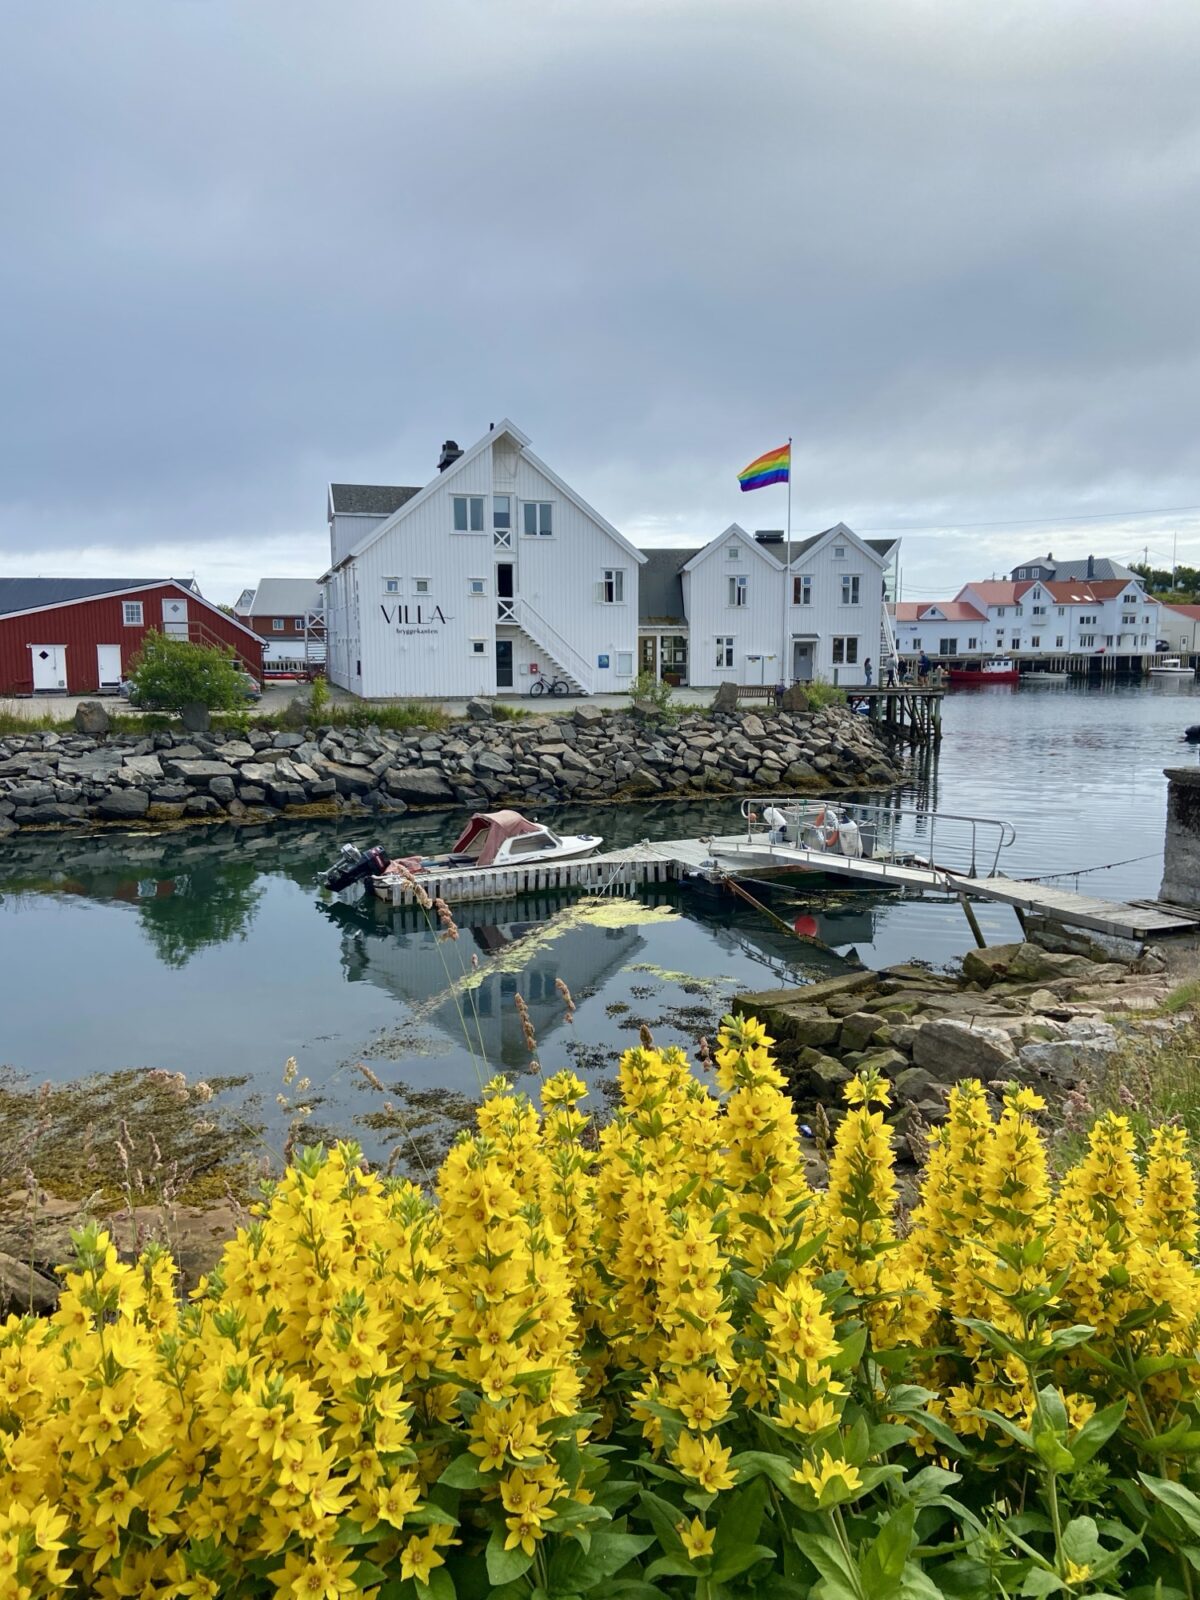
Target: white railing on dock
891 830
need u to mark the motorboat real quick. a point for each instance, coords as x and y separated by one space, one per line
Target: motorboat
1172 667
986 672
492 839
1045 677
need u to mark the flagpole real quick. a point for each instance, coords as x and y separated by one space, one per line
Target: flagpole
787 577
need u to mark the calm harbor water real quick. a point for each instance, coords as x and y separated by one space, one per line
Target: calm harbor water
213 952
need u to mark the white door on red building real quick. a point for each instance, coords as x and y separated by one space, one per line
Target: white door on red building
175 619
49 666
108 666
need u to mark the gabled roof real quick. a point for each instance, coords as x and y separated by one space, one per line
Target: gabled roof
504 426
285 597
782 554
243 602
1084 592
950 611
999 591
1192 613
369 499
1102 567
25 594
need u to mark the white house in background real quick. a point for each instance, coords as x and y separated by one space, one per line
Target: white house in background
720 613
1033 618
492 573
1180 627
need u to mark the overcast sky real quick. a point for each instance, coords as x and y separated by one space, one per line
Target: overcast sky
953 248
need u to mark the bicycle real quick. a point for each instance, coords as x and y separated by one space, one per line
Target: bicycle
544 685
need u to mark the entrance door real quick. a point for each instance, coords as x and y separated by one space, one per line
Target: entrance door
49 666
504 664
505 586
175 618
108 666
646 654
802 661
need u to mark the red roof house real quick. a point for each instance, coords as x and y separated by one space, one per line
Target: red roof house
80 635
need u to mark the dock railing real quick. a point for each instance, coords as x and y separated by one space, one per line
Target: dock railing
966 846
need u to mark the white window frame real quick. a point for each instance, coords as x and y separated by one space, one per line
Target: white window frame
423 586
624 660
132 613
276 624
478 647
953 650
839 552
851 588
725 644
472 505
734 551
845 649
802 588
543 518
477 586
612 586
391 586
973 643
1035 641
739 591
502 532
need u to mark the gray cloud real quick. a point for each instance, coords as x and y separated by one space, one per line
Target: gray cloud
250 248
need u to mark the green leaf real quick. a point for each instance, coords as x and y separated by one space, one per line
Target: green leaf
1006 1425
463 1472
851 1351
439 1587
1068 1338
1097 1430
741 1519
349 1533
366 1575
1178 1499
884 1435
505 1566
885 1560
740 1559
1052 1451
828 1558
1041 1581
1050 1403
664 1518
1081 1541
609 1552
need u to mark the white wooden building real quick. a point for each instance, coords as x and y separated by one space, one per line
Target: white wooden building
724 612
494 572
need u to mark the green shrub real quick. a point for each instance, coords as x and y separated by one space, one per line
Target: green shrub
168 673
821 695
652 691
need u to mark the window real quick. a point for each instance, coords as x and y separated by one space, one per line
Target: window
839 552
1062 611
277 624
1021 573
468 513
624 663
972 644
733 551
1058 643
131 611
845 651
501 511
537 519
1035 642
478 647
1132 619
1108 639
421 585
476 585
850 585
1018 611
916 644
802 591
1087 640
999 611
612 589
391 586
738 590
1016 643
947 647
1039 611
298 624
724 650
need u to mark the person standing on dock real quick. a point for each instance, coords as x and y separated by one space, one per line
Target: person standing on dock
891 673
867 670
922 670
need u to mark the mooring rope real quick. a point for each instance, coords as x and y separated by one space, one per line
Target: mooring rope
1079 872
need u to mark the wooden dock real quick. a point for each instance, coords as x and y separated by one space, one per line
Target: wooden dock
906 712
733 856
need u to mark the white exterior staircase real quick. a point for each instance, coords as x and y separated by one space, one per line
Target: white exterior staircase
570 664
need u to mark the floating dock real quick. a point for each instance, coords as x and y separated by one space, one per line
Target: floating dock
734 856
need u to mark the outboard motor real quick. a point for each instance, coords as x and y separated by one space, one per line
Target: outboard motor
353 865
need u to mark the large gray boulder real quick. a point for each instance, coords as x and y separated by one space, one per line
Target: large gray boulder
91 717
419 786
142 769
726 697
479 710
794 698
22 1289
588 716
120 804
198 774
195 717
347 780
951 1050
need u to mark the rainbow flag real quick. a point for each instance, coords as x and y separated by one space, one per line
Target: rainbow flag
774 467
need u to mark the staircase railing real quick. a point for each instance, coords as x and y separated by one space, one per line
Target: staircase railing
889 639
565 655
198 633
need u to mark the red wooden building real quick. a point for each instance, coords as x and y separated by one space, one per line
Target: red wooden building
80 635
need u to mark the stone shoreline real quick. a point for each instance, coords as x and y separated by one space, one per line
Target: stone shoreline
73 781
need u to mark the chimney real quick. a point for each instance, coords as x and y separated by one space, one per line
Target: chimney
769 536
1091 567
450 453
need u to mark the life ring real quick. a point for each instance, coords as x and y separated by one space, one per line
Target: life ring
826 824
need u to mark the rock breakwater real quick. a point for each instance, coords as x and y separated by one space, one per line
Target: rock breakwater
51 780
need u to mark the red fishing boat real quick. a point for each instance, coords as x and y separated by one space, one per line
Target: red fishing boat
986 672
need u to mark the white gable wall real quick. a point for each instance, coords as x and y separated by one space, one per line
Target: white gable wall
421 644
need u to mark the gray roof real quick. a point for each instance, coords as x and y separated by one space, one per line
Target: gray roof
286 597
370 499
1076 571
23 594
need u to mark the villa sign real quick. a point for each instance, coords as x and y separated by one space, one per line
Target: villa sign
414 619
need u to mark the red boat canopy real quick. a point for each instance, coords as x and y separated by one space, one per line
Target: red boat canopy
487 831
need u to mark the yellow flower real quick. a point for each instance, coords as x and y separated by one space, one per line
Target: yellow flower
705 1459
697 1539
809 1418
1076 1572
831 1468
421 1555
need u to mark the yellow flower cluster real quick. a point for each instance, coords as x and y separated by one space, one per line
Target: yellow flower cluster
375 1383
